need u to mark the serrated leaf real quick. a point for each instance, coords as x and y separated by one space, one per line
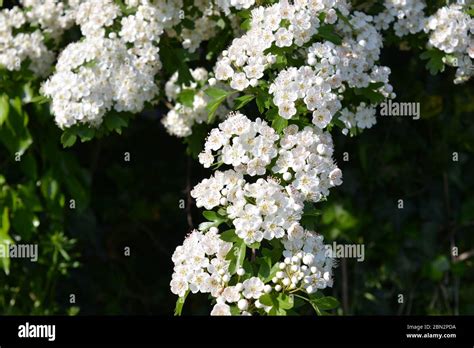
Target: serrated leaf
285 301
115 122
240 102
435 62
326 303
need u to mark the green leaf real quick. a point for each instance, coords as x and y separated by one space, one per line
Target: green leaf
212 215
212 107
265 267
229 236
179 304
435 60
275 268
14 134
261 103
236 257
4 108
327 32
85 132
186 97
217 97
114 122
279 123
187 23
326 303
68 138
215 92
5 241
240 102
246 24
266 299
285 301
370 93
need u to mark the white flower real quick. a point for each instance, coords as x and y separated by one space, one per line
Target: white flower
239 82
283 38
253 288
179 287
220 309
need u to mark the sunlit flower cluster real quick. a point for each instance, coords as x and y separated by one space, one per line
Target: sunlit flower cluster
305 160
451 30
202 23
363 117
264 209
280 25
52 16
247 146
200 264
109 70
407 16
17 46
181 118
307 265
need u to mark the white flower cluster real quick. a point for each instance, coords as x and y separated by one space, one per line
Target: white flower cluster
293 85
17 46
407 16
306 265
204 16
282 25
53 16
200 265
363 117
260 210
451 30
181 118
331 69
305 160
109 70
302 158
248 146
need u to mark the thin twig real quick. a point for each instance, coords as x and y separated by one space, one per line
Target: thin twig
189 200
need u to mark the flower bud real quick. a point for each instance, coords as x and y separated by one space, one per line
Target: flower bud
243 304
